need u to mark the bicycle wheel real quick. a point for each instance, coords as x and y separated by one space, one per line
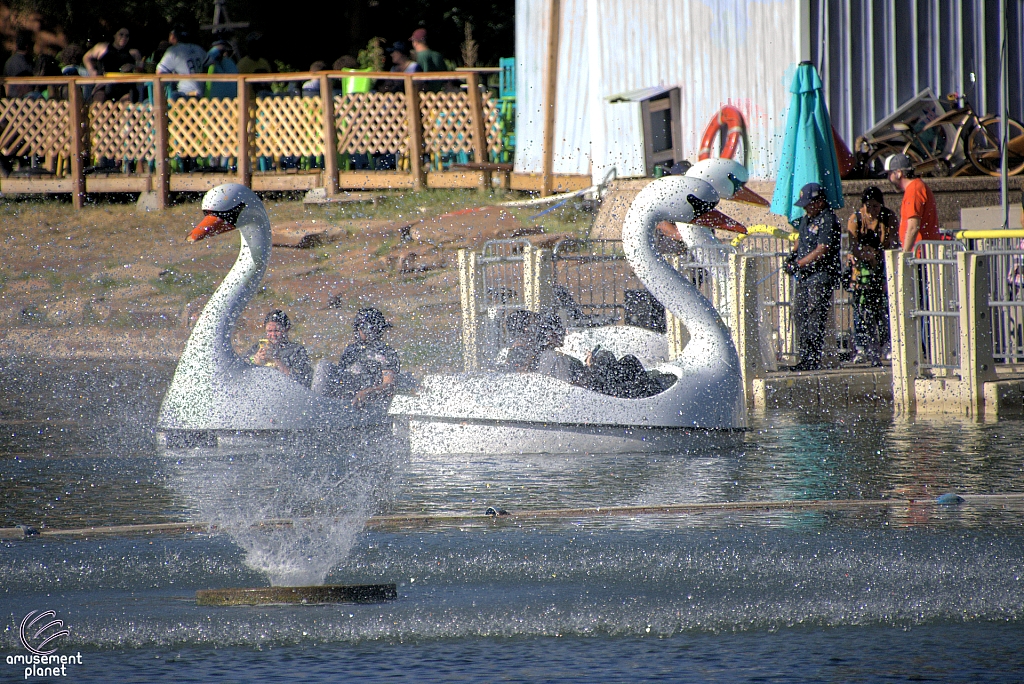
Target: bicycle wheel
874 165
983 148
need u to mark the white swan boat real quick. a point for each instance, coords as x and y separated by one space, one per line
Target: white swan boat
530 412
215 396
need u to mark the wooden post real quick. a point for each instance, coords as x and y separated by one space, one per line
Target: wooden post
412 109
479 129
550 97
244 163
76 122
330 138
163 178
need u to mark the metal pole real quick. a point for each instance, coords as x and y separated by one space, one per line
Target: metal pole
1004 112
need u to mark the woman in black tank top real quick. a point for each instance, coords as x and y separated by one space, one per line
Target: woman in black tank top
872 229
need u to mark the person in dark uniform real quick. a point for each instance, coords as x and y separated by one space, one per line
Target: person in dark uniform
816 267
367 372
277 352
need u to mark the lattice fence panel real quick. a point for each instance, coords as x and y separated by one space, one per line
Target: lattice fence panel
34 126
446 121
288 126
492 125
198 127
122 130
373 123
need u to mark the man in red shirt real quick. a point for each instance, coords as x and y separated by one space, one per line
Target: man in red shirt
919 218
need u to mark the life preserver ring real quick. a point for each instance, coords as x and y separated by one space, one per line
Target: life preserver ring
737 132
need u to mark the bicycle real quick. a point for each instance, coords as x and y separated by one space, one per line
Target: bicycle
945 145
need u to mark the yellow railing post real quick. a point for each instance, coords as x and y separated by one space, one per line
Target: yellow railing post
675 330
470 289
160 113
77 123
412 104
977 365
243 160
743 323
330 138
537 278
904 331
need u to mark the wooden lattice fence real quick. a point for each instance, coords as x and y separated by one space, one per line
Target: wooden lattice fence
34 126
372 123
288 126
192 144
199 127
122 130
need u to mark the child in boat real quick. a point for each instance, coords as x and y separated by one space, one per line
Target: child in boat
520 356
276 351
550 361
367 372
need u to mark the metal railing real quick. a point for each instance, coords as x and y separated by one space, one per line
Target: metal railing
590 280
1005 298
775 295
502 270
936 307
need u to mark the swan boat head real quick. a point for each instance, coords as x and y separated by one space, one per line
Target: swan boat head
213 388
729 178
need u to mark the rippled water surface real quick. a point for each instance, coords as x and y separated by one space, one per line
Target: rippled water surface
884 593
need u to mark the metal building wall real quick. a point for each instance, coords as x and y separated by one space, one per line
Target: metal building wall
874 55
572 122
718 52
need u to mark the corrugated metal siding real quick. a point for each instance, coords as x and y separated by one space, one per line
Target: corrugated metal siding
726 52
875 55
572 120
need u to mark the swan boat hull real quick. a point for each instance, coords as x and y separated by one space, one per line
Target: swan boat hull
507 413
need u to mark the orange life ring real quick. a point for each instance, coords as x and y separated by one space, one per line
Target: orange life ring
727 116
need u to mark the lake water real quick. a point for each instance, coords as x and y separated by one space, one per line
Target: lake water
897 593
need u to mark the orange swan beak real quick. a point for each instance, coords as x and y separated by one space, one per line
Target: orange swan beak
210 225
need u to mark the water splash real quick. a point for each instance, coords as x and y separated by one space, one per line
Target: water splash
296 509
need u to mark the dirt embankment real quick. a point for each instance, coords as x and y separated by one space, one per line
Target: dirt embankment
112 281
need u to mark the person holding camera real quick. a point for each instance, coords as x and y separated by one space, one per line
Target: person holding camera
815 266
276 351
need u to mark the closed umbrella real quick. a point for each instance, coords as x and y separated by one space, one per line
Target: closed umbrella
808 151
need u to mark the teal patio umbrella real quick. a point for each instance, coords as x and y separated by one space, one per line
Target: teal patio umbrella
808 150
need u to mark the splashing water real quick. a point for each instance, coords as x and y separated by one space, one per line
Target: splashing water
296 510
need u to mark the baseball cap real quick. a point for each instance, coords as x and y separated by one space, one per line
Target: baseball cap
371 319
808 194
897 162
419 35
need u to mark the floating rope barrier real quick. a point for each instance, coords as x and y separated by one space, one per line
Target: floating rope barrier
492 514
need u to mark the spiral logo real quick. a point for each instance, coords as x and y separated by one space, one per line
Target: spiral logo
36 634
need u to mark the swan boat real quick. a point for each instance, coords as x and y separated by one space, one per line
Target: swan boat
492 412
215 397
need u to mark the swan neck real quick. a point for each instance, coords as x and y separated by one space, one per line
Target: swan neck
710 341
216 324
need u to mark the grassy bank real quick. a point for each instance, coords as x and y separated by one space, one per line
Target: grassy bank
111 280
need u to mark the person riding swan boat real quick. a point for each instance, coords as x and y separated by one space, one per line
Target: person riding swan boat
481 411
214 389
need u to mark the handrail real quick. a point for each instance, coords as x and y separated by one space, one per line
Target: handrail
248 78
995 233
